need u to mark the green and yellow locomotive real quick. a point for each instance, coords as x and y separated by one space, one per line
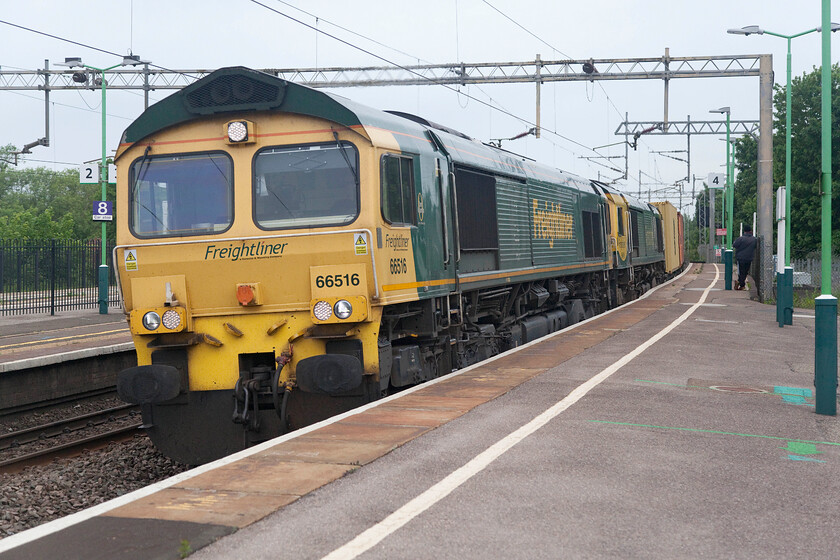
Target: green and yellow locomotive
287 254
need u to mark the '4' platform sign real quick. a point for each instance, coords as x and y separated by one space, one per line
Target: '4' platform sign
717 180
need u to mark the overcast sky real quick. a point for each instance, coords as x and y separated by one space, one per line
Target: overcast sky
208 34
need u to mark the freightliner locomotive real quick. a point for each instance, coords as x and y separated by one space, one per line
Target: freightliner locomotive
286 254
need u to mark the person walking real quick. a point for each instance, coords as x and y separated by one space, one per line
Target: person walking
744 251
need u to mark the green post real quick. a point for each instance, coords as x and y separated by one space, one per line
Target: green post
131 60
784 283
784 296
729 204
825 343
103 181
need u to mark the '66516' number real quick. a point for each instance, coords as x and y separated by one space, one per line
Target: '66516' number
398 266
336 280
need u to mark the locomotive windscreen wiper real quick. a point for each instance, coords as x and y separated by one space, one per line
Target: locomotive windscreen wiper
350 166
146 160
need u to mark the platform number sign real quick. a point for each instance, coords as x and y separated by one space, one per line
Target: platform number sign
103 211
717 180
89 173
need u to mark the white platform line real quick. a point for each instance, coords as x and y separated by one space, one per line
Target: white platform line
376 534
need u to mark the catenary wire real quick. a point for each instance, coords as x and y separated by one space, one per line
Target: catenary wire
409 70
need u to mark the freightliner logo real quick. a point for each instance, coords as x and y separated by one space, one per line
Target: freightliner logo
256 250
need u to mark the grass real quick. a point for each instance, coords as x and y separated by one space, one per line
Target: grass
805 298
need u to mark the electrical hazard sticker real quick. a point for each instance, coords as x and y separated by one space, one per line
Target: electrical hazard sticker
130 259
360 245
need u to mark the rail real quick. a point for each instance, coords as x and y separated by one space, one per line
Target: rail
63 432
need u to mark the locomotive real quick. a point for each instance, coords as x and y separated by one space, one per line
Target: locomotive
288 254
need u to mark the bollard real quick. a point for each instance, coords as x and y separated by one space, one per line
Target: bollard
780 299
787 311
727 260
825 355
103 289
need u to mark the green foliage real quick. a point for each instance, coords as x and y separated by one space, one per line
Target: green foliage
806 154
697 227
26 224
39 203
185 549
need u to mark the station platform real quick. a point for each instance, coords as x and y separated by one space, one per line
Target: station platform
36 340
679 425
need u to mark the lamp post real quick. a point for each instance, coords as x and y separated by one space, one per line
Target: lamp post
728 204
130 60
784 280
825 336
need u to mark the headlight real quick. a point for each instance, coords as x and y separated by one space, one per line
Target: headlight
171 320
343 309
322 311
151 321
237 131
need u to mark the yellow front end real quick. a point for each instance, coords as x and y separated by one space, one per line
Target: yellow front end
234 288
227 306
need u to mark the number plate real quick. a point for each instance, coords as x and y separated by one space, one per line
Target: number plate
338 280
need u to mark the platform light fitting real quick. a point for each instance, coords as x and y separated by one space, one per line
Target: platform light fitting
748 30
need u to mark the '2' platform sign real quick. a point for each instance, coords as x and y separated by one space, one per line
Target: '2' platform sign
103 211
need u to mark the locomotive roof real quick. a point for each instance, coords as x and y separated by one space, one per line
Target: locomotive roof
239 89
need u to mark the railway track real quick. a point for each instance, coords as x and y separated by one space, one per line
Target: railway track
50 403
66 437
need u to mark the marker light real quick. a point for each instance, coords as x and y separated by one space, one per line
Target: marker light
151 321
171 320
322 311
237 131
343 309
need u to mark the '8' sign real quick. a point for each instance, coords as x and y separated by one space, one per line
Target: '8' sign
103 211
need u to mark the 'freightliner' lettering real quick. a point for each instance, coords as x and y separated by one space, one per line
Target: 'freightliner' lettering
398 243
551 223
252 251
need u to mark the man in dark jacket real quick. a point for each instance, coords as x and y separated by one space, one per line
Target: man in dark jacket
744 252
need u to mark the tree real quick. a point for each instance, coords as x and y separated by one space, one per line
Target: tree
39 203
806 150
31 225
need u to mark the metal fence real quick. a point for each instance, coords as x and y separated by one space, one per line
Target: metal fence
808 272
45 276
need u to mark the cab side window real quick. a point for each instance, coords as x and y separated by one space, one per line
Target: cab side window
398 189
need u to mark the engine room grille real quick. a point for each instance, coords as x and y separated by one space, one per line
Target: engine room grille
232 93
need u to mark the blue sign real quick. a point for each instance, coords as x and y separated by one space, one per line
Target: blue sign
103 211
